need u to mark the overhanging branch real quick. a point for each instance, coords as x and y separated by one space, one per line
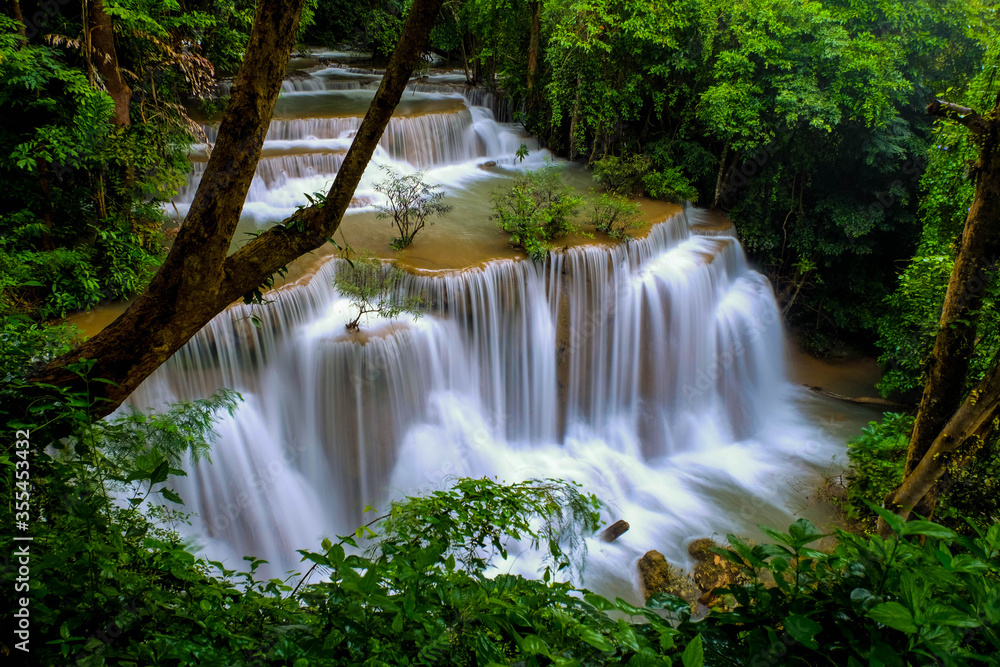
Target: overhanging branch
970 118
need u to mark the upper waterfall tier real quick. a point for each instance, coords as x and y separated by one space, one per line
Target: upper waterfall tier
312 131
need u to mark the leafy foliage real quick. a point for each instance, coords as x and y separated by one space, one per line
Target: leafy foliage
81 218
802 119
411 202
537 209
374 287
867 601
909 325
623 175
877 458
615 216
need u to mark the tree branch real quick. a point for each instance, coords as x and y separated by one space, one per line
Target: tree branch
197 280
970 118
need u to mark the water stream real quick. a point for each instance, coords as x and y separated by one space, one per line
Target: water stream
653 373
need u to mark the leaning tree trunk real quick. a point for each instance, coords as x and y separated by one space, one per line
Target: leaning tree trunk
105 59
955 342
955 444
197 280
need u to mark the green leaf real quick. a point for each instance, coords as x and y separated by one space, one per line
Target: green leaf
534 645
595 639
928 528
694 654
598 601
171 495
893 615
802 630
160 473
890 518
770 550
803 532
777 536
946 615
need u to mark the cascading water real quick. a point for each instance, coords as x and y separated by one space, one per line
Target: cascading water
650 372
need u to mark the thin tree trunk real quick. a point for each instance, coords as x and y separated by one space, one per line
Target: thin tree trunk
534 44
45 185
722 171
105 58
12 8
956 443
465 62
197 280
574 120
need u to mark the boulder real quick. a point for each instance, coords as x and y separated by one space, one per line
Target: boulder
712 571
658 576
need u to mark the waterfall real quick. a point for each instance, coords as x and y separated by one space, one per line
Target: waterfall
651 372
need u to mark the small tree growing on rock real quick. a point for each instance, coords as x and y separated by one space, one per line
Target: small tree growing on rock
373 287
411 202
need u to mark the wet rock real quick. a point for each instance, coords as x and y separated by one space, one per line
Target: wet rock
712 571
488 165
659 576
615 530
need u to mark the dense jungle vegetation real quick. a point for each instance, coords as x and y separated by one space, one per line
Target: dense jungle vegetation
856 146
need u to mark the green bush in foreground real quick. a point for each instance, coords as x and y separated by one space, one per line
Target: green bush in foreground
615 216
373 287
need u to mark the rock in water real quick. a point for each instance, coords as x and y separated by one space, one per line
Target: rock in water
711 570
659 576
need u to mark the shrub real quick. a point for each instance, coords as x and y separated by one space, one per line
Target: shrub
878 458
615 216
109 586
623 175
411 202
538 208
923 596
